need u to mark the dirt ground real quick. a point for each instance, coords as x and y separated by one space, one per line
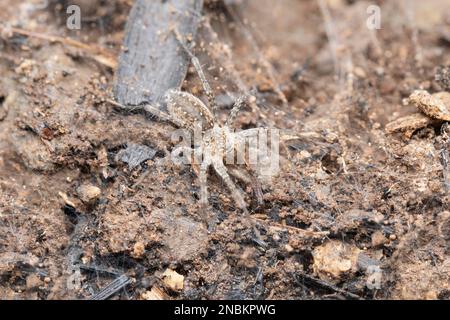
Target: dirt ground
355 211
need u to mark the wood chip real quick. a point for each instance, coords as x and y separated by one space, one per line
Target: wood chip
409 124
173 280
334 259
436 106
88 193
152 61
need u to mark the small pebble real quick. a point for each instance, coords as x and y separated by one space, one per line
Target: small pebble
88 193
173 280
138 250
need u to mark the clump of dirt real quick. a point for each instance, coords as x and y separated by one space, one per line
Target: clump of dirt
358 209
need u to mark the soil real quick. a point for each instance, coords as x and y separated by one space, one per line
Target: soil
356 211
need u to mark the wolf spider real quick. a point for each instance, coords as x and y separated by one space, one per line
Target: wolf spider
189 112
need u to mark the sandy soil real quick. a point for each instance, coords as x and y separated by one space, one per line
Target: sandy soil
355 212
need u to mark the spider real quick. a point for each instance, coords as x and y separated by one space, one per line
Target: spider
218 140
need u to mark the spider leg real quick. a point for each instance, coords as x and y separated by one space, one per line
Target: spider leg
241 175
198 68
222 172
164 116
256 184
156 112
285 135
236 108
203 176
250 179
249 132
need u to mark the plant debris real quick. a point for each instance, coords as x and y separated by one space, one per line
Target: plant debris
435 106
172 280
92 204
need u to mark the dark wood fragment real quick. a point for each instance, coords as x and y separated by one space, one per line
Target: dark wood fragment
152 61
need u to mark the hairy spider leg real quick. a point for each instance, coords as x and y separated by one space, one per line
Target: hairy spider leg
198 68
221 170
203 178
164 116
235 110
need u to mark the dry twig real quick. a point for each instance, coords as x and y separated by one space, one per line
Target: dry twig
99 54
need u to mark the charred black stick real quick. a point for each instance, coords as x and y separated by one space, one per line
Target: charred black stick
152 62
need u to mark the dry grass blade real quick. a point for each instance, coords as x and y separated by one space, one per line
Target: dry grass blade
98 54
115 286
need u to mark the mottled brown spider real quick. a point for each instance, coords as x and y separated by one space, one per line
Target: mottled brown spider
218 140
